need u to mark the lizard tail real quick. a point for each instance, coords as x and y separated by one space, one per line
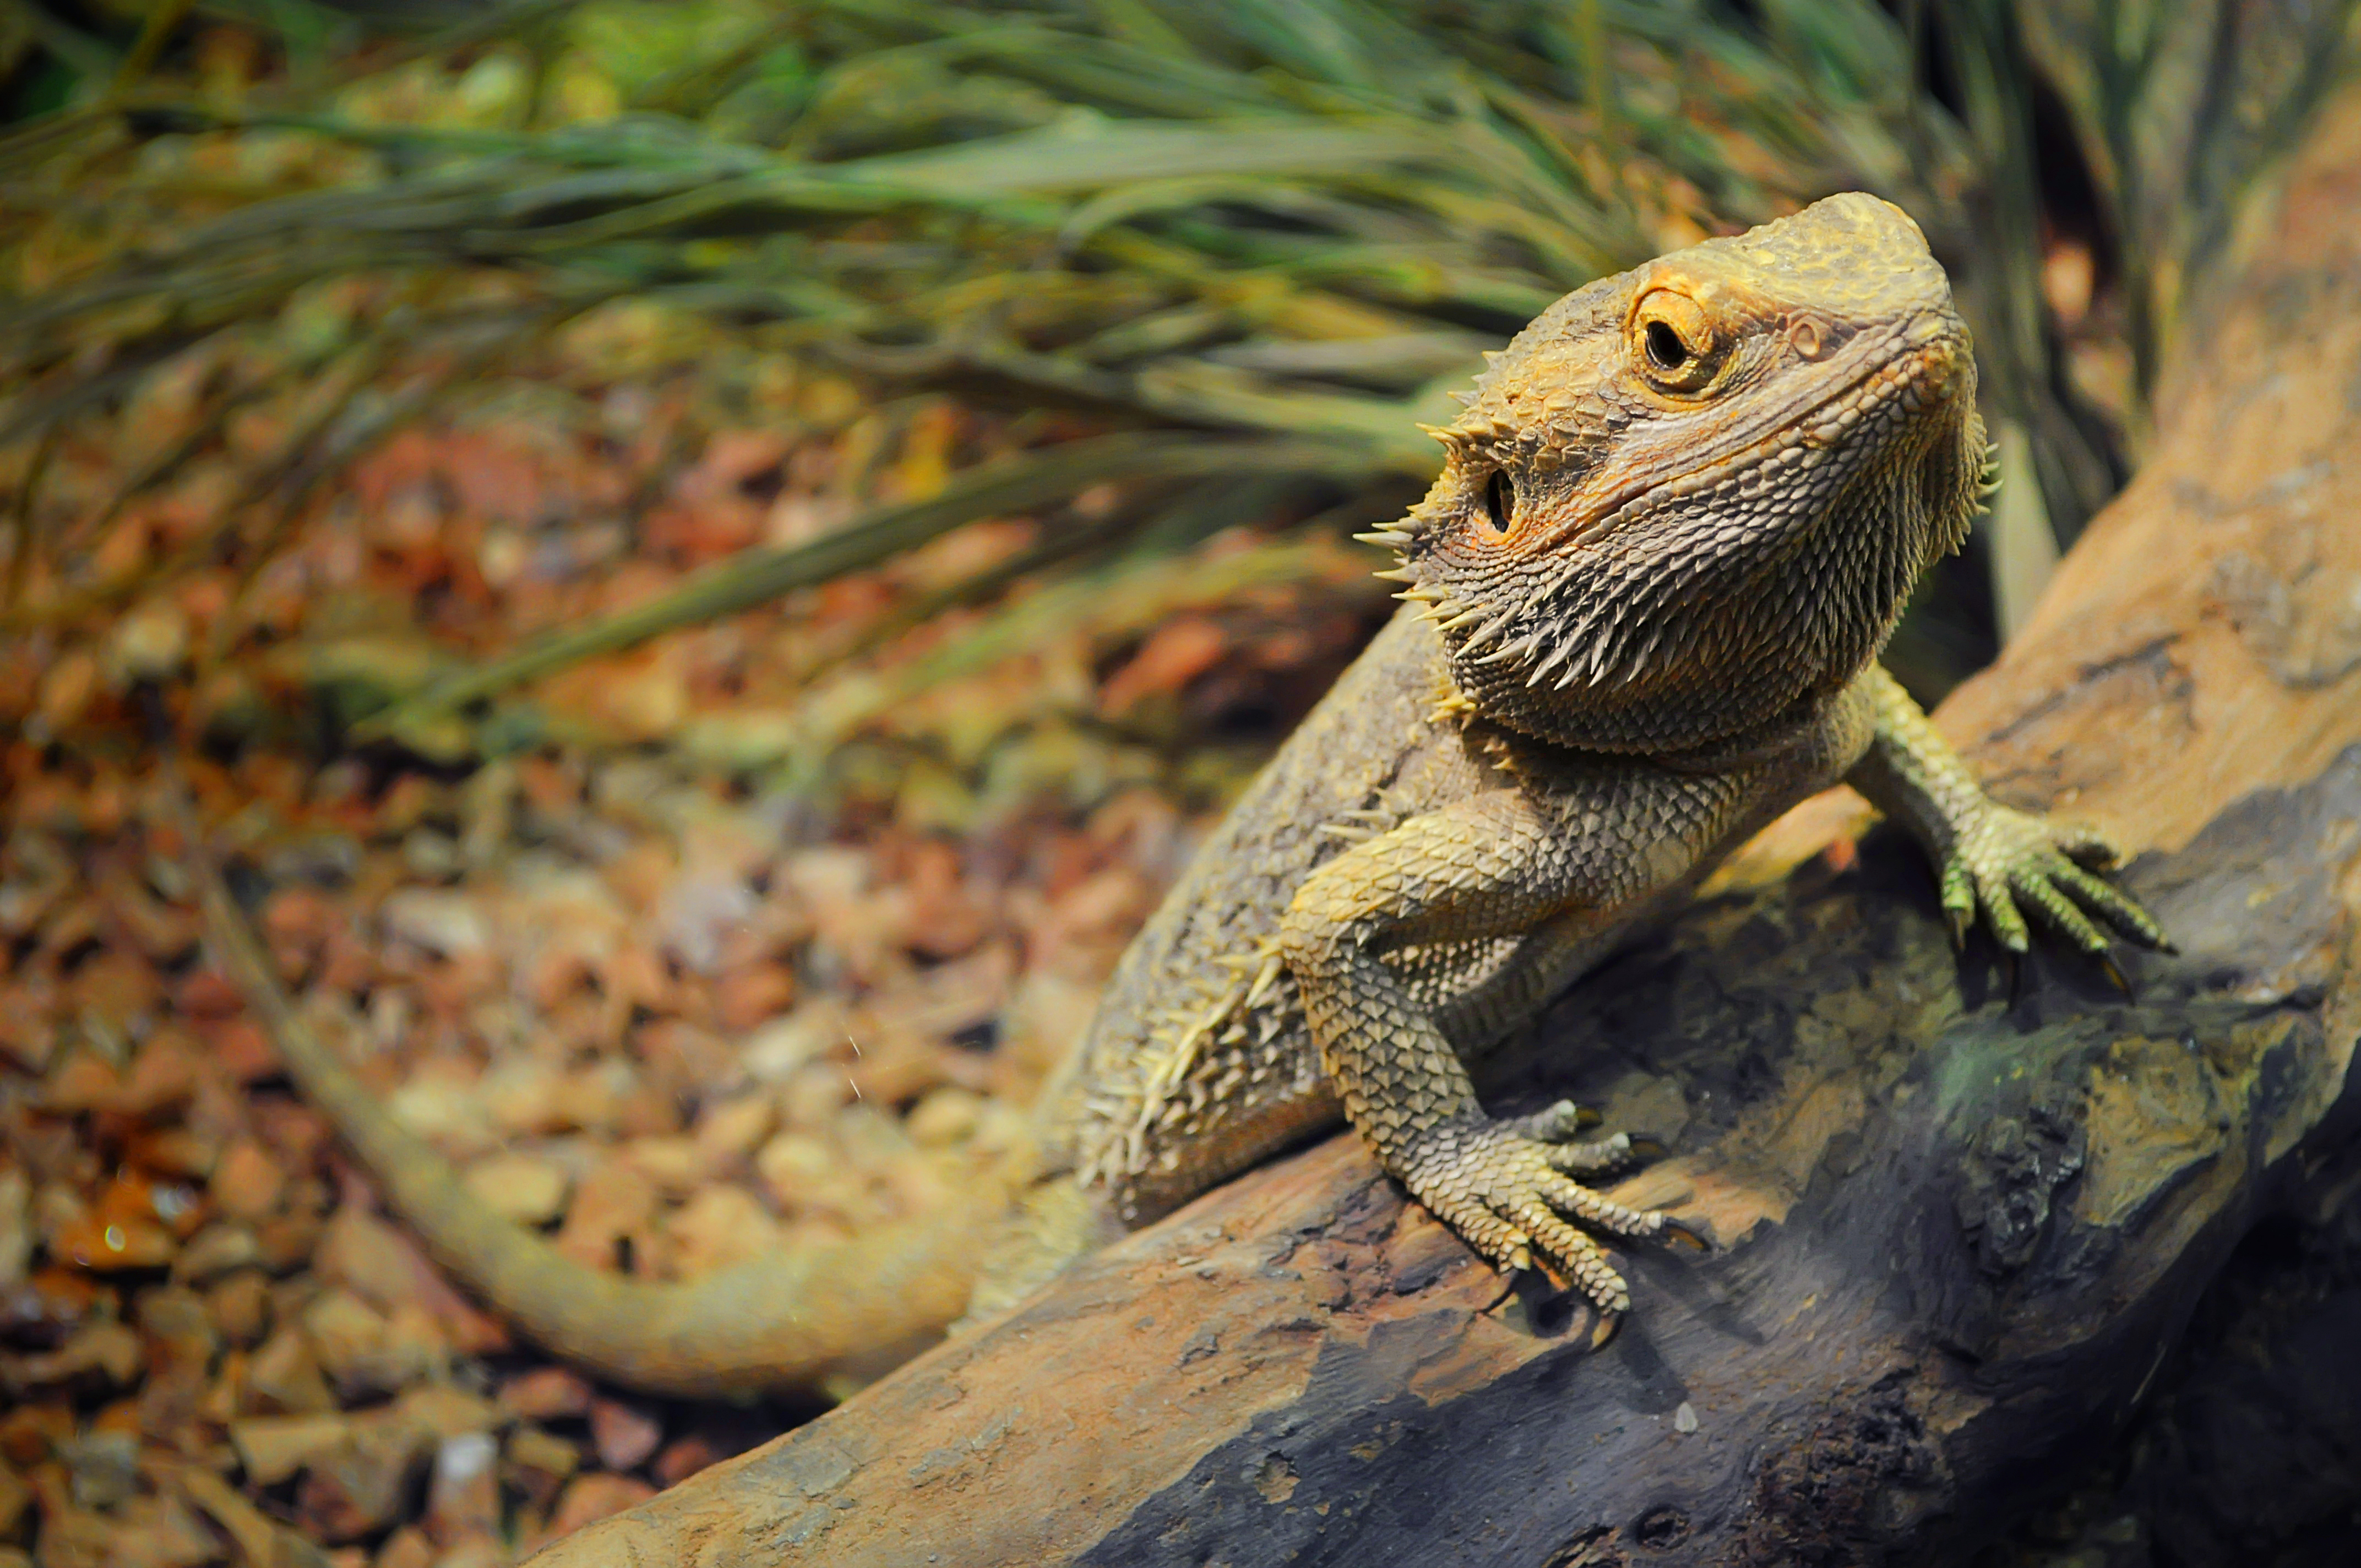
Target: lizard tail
790 1321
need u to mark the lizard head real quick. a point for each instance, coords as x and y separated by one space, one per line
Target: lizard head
1688 502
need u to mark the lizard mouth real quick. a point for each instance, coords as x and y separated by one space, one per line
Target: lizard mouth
1803 442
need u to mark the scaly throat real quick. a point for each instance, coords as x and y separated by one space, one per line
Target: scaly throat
1714 615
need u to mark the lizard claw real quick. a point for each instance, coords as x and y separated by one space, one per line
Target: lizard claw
1690 1235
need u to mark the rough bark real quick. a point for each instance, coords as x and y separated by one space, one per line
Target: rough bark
1966 1214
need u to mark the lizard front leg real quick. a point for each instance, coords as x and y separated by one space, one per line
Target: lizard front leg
1509 863
1986 855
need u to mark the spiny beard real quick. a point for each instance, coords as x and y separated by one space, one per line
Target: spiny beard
1714 616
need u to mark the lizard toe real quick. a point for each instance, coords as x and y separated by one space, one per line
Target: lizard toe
1594 1208
1617 1153
1581 1260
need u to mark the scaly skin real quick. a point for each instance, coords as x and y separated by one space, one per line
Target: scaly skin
1679 518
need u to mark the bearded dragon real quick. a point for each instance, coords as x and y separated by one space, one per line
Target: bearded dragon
1677 521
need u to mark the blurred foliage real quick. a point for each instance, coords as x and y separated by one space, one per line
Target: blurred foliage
1280 231
2175 110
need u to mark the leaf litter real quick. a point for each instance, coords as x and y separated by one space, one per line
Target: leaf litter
759 932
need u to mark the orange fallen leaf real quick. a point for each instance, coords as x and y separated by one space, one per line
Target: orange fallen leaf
1177 653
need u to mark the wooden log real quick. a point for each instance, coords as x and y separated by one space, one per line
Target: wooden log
1964 1215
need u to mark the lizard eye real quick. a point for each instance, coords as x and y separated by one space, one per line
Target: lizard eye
1665 347
1673 341
1500 501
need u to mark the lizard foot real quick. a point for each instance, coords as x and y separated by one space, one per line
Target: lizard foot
1502 1187
2004 857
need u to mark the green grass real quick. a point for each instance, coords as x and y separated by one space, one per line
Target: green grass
1291 222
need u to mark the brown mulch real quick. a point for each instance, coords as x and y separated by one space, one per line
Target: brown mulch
671 1005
